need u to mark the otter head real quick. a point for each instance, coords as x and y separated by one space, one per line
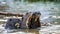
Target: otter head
36 15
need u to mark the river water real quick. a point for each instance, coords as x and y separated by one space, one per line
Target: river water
50 14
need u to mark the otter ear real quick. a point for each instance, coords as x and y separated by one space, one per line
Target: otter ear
40 13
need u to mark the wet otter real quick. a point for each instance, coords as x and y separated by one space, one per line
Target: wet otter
13 23
30 20
34 21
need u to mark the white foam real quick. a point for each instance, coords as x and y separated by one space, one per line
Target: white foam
45 17
3 20
55 16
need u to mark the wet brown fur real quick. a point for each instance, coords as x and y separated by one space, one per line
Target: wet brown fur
34 20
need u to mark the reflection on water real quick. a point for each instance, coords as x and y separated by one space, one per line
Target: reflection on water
54 29
20 31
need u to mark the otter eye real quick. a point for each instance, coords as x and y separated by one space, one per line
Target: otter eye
17 25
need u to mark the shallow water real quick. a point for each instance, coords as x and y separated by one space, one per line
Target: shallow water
50 14
54 29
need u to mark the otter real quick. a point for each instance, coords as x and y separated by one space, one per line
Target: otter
13 23
29 20
34 21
